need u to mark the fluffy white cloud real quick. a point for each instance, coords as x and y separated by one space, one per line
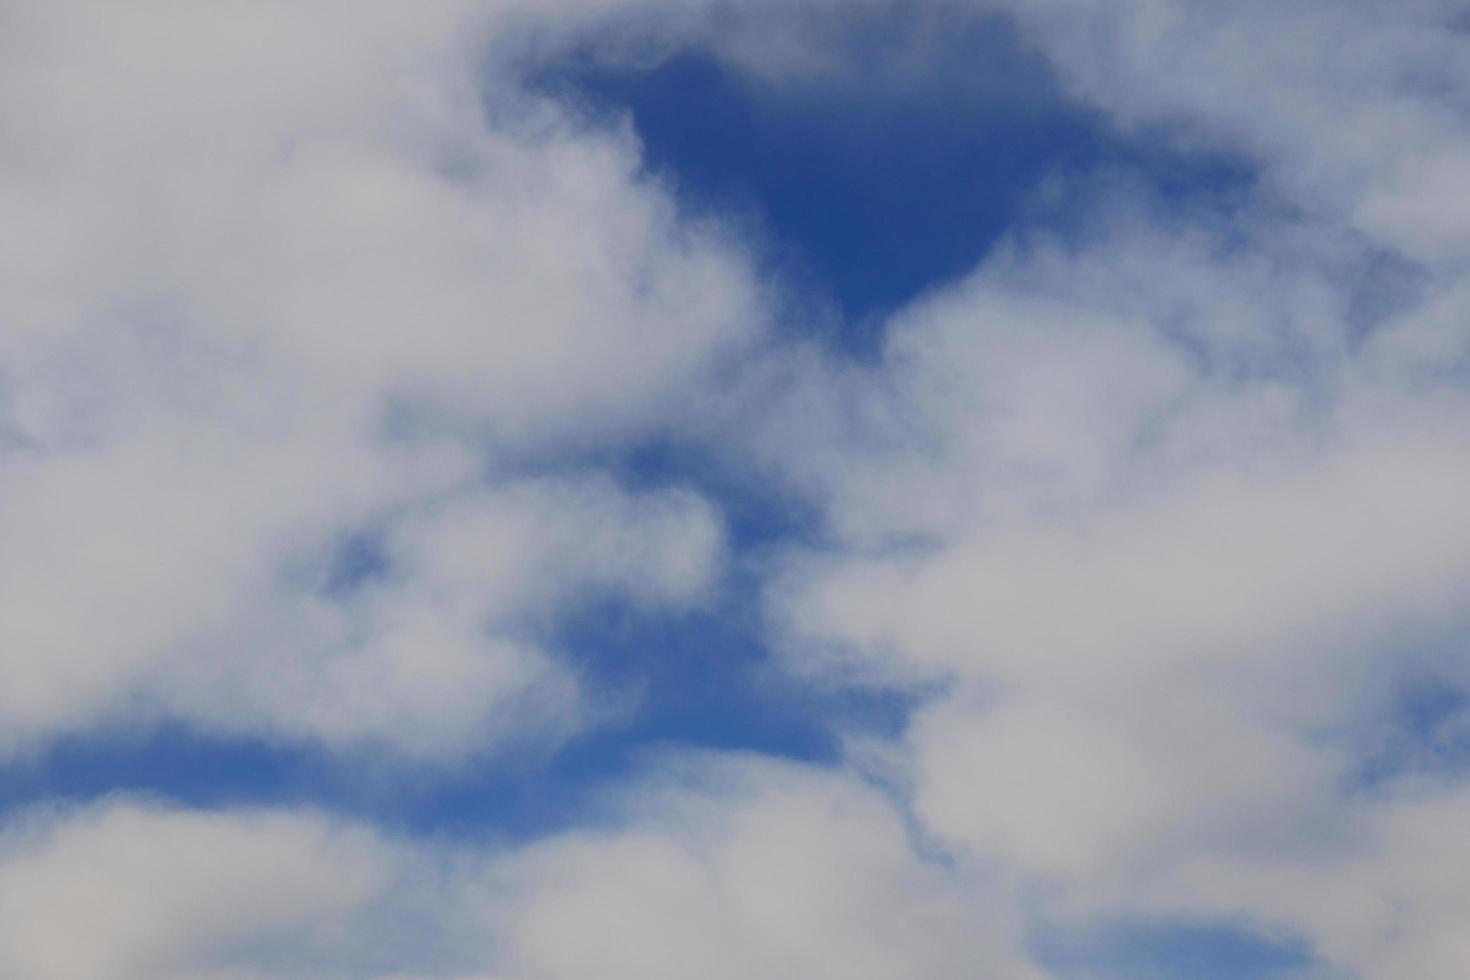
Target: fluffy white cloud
173 894
1163 516
1356 108
280 274
438 653
761 870
1171 512
1381 892
747 868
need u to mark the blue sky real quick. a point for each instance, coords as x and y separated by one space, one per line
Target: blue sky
899 488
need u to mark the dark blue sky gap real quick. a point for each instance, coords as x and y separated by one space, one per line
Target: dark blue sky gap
869 189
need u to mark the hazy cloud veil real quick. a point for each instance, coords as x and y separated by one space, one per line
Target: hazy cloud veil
346 362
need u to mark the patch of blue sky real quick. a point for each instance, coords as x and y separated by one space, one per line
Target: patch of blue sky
691 694
874 182
169 761
708 679
1163 950
1426 733
357 559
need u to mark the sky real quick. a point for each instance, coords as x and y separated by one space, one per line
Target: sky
600 489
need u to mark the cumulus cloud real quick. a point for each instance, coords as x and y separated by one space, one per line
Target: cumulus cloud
1171 509
276 279
320 324
1357 108
163 893
731 868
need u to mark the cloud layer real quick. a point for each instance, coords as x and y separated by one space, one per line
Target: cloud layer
332 348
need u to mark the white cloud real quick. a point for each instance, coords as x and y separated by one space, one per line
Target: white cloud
1169 516
284 273
440 654
1383 894
1356 108
1171 509
748 868
765 870
130 890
